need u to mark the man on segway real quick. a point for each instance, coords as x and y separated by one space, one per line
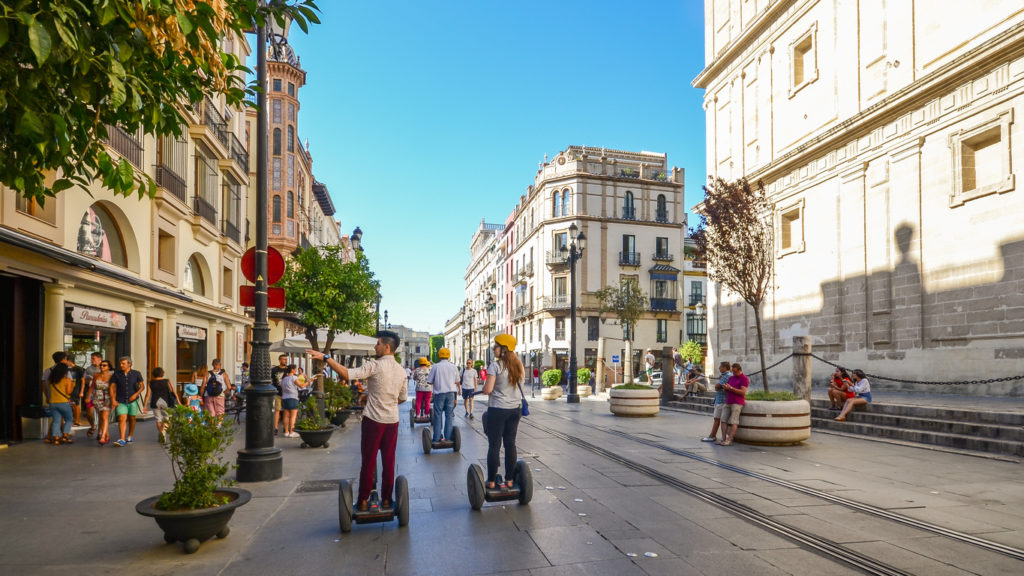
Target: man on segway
385 389
444 378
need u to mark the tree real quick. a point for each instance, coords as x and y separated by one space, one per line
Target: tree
692 351
325 290
72 69
436 343
736 238
628 302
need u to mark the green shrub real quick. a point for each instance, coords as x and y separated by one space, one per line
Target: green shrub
583 376
337 396
777 396
195 443
478 365
631 387
311 418
693 352
551 377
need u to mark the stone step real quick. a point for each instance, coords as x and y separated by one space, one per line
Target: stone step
958 441
962 427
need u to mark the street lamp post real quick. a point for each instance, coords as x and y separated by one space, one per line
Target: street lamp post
469 313
573 253
260 460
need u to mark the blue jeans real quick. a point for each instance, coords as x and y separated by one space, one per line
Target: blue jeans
443 403
59 411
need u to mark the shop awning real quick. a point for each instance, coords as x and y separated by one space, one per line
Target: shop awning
347 343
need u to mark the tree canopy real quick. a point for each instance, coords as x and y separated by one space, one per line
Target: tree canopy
73 68
325 290
737 239
627 301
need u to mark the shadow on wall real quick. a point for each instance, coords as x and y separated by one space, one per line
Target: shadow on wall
887 324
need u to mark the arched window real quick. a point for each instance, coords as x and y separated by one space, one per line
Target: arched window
192 277
555 212
277 208
662 215
627 207
565 203
277 141
99 237
291 138
291 204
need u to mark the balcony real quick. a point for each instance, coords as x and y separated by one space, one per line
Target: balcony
697 299
128 146
661 215
556 258
629 258
205 210
663 304
628 213
527 269
239 154
174 184
559 302
213 119
231 230
522 311
662 257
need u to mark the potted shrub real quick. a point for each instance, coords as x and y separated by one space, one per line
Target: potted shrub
312 427
550 380
337 399
583 382
634 400
774 418
201 502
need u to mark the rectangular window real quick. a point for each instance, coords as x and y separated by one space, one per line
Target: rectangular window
291 170
47 212
276 107
661 289
662 330
593 328
559 286
291 112
228 281
277 84
559 328
165 252
291 89
790 229
790 222
982 160
661 246
803 60
561 241
276 174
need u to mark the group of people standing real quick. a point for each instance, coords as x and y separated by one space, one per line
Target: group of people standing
100 389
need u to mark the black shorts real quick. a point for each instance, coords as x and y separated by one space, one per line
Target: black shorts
467 393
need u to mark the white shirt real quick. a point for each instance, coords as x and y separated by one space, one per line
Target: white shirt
385 388
444 377
469 377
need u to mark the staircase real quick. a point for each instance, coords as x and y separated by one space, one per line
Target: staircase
988 431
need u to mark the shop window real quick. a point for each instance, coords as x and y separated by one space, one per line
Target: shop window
192 277
982 160
47 212
165 251
99 236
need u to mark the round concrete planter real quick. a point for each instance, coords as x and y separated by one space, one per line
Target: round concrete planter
775 423
583 391
551 393
634 402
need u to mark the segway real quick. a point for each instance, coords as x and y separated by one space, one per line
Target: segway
455 442
522 488
414 419
375 511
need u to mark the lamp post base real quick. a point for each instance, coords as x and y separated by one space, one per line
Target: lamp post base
261 465
260 460
572 398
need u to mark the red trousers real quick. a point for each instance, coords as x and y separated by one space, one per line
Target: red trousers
424 397
382 438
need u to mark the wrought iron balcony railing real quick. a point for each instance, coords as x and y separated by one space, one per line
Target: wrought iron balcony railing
629 258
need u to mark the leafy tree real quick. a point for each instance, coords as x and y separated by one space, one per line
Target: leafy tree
436 343
628 302
71 68
736 238
692 351
325 290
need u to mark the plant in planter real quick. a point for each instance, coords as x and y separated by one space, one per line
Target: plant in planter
551 379
337 399
776 418
201 502
634 400
583 382
314 429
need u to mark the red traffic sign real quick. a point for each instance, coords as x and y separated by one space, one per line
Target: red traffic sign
275 265
247 297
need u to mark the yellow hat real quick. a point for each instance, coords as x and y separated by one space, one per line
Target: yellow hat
506 340
444 353
424 362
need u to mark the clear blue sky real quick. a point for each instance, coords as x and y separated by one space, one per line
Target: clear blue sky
425 116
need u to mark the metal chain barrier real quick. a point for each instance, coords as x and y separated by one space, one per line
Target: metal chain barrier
927 382
750 374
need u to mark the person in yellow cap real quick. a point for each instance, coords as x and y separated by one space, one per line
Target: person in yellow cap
444 379
504 407
421 406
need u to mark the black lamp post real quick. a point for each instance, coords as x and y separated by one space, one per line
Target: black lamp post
260 460
572 254
469 320
490 316
386 324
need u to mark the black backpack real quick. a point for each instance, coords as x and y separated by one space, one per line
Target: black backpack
213 386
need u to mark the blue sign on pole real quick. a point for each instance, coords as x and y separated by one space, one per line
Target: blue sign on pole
615 358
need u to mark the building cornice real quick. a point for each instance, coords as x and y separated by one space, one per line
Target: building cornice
768 19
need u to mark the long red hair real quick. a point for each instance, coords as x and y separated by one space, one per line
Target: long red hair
511 363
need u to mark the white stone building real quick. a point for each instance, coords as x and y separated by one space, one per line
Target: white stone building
884 133
480 311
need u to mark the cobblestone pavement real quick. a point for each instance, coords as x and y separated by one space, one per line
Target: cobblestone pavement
612 496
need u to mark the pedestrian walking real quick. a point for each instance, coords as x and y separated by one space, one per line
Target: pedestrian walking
100 394
468 379
290 400
723 378
162 397
215 387
95 359
128 386
677 366
59 390
504 408
735 399
276 375
444 381
77 375
649 364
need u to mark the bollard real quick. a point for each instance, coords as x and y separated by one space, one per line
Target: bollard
802 367
668 387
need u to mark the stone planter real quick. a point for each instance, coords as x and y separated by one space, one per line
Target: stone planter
774 423
195 526
340 417
551 393
644 402
583 390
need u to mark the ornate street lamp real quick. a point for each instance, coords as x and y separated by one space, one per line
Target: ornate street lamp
572 254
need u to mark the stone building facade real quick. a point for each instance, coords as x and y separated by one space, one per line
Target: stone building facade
884 132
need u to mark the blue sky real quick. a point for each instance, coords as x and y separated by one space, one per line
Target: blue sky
425 116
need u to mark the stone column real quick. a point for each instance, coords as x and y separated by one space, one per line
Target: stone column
139 360
600 367
802 367
53 329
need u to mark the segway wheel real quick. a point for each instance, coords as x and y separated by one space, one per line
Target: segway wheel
456 438
475 486
412 418
345 506
402 500
524 478
427 437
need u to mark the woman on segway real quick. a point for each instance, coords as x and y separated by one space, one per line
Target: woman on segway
504 407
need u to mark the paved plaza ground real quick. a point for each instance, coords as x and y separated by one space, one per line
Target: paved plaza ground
612 496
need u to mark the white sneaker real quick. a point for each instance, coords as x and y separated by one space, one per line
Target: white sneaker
708 439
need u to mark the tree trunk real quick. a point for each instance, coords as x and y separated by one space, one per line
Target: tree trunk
760 346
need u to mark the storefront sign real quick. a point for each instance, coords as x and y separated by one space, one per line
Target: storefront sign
186 332
95 317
